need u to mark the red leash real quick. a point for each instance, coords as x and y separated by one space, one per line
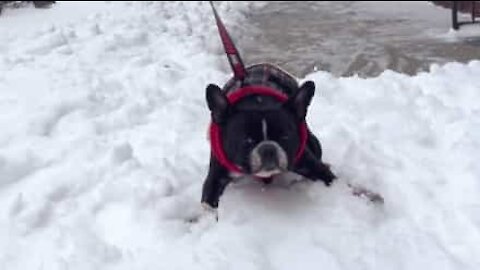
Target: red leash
239 73
236 63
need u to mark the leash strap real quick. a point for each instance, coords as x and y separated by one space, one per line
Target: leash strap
236 63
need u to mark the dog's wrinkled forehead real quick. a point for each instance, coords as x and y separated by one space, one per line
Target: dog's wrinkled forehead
258 103
262 124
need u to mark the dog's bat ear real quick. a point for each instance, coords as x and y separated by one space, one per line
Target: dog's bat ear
300 101
217 102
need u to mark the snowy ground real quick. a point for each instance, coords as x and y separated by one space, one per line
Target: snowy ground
103 153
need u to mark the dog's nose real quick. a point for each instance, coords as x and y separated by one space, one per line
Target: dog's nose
269 156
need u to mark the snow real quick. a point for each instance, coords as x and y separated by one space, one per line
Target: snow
103 153
468 32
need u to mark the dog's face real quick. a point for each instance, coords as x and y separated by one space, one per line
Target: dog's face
263 143
262 138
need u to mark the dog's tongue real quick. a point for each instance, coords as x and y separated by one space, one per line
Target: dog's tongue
267 174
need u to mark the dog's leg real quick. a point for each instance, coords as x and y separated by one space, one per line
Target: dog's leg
313 168
314 145
214 185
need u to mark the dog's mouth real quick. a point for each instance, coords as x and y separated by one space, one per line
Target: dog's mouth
268 173
268 159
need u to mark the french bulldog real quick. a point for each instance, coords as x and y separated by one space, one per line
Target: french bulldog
260 134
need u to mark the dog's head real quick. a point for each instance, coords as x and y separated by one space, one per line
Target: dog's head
262 138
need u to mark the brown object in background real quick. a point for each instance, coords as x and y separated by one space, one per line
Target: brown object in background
467 7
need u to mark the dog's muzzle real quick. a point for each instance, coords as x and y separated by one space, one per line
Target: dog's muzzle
267 159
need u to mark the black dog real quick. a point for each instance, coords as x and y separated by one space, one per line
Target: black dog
258 129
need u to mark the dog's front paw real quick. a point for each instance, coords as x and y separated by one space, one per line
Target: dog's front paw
328 182
206 214
328 178
326 173
209 211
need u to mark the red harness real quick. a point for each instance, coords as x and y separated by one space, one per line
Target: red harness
233 98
